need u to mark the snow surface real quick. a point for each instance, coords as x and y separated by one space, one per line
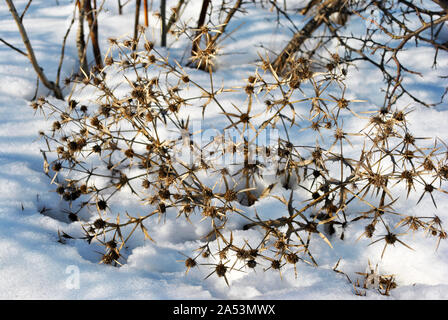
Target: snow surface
34 265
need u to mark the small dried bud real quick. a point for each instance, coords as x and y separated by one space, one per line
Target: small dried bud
99 224
102 205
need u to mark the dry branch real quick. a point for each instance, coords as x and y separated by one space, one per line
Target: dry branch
49 84
80 42
323 14
92 20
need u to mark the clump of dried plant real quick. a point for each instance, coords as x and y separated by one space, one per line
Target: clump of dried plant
119 141
371 279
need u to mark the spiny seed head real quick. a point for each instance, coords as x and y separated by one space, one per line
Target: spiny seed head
437 220
253 253
315 125
102 205
249 89
96 81
408 154
280 245
56 166
187 208
73 217
230 195
369 229
390 238
342 103
164 194
376 120
129 153
94 121
185 78
41 100
276 264
72 146
223 254
67 196
210 212
81 143
221 270
244 117
409 139
149 116
56 125
138 93
112 244
208 193
149 46
429 188
428 165
339 134
331 208
127 43
398 116
251 263
384 111
83 189
443 171
60 190
104 110
145 163
109 61
173 107
317 154
242 254
75 195
377 180
72 104
315 195
151 59
107 259
112 41
34 105
311 227
292 258
114 255
406 174
283 153
99 223
177 196
190 263
146 184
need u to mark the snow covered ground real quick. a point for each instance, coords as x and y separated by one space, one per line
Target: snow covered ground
34 265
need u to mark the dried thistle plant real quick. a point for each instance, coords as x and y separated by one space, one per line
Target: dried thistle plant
118 142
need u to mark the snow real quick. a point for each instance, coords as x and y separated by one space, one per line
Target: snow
35 265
